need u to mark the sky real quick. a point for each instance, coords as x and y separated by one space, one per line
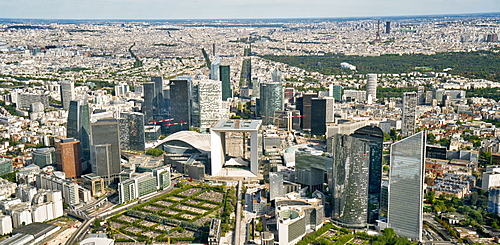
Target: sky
236 9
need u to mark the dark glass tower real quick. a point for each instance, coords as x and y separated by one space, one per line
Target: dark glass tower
225 77
149 101
357 165
180 94
304 106
78 126
105 153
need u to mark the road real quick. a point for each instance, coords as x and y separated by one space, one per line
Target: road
63 236
441 231
237 229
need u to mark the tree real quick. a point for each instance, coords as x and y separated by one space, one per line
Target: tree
155 152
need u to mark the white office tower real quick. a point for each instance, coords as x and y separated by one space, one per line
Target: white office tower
5 224
55 197
67 93
409 118
371 87
406 185
121 89
210 102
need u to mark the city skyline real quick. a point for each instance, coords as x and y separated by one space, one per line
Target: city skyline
224 9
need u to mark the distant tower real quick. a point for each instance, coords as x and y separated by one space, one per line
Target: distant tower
105 150
406 185
387 27
68 157
132 131
377 38
410 102
371 87
149 101
225 77
213 49
276 76
67 93
159 100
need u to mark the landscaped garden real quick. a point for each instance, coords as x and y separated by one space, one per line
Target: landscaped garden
184 214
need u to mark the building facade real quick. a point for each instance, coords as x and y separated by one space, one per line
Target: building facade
105 153
68 157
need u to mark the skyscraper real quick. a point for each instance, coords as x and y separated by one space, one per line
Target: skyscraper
304 106
149 101
388 27
215 70
371 87
210 102
225 77
337 92
131 126
68 157
67 93
159 100
276 76
321 113
180 109
357 166
78 126
271 99
409 118
406 185
105 153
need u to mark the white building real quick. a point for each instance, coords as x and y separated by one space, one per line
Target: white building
5 224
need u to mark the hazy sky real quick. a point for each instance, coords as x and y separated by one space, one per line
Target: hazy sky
224 9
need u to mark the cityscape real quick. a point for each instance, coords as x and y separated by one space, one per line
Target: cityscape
362 130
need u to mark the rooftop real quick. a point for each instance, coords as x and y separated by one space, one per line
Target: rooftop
237 125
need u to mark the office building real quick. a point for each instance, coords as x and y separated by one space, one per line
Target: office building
271 99
387 27
494 200
68 157
357 172
303 104
68 189
142 184
215 70
354 95
209 98
122 89
132 135
409 118
180 109
321 113
94 183
490 179
371 87
105 151
160 109
406 185
149 101
67 90
24 100
44 156
5 166
78 126
225 77
337 92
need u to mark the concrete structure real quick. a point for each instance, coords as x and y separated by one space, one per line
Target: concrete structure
132 135
214 232
68 157
409 118
24 100
406 182
218 142
491 178
494 200
5 224
97 239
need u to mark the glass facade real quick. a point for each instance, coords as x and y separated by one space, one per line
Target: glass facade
271 99
225 77
180 95
78 126
132 131
410 101
106 149
406 180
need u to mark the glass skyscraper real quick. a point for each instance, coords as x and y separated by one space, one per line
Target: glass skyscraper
410 102
271 99
406 183
78 126
180 98
105 151
357 166
225 77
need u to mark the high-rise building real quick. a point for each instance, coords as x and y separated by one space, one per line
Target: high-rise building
5 166
371 87
494 200
68 157
304 106
180 109
210 103
357 172
215 70
271 99
388 27
225 77
159 101
67 90
105 153
149 101
410 101
337 92
406 185
78 126
132 135
321 113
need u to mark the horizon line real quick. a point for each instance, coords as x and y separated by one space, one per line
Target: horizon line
263 18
